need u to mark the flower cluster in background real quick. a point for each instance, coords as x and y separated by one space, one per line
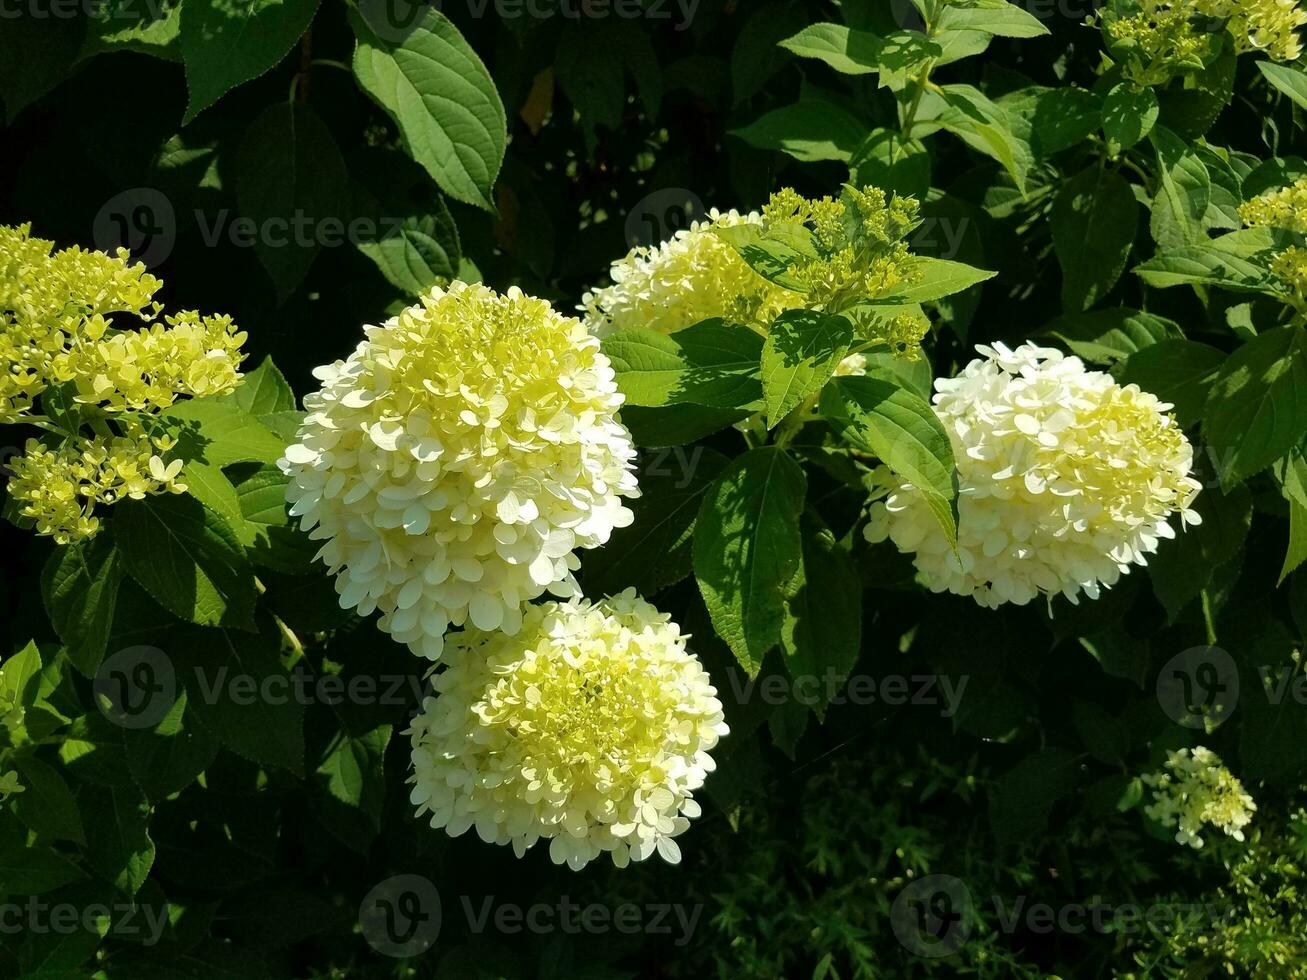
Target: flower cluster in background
590 728
58 334
1284 209
1158 39
693 276
1065 478
855 250
1194 789
458 459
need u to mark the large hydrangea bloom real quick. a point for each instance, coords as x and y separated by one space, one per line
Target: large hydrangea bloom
457 459
591 727
1196 789
1066 479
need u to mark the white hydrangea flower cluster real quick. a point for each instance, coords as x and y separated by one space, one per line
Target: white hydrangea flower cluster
1195 789
591 728
1066 479
455 462
692 276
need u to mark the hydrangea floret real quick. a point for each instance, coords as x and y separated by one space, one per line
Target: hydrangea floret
1065 479
456 461
65 329
591 728
1195 789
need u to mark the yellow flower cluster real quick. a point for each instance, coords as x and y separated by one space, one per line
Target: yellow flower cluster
47 302
858 252
147 369
458 459
57 328
1290 267
694 276
1065 481
1195 789
1285 207
859 238
1170 36
59 488
590 728
1268 26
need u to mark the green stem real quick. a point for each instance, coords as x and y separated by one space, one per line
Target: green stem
1208 619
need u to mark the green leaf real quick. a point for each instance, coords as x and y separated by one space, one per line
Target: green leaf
1257 409
938 278
1129 114
1293 487
226 44
1094 221
1291 81
800 355
118 844
1111 335
987 128
905 56
822 633
220 433
290 181
125 25
1052 119
677 425
353 771
20 677
210 486
266 530
773 253
33 870
46 804
881 417
1182 568
713 363
655 550
442 98
263 391
847 51
415 243
1022 798
810 130
1185 192
999 19
1238 261
239 690
747 548
887 160
1177 371
36 52
79 586
170 756
187 558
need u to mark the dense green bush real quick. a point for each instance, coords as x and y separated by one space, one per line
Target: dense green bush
1010 664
